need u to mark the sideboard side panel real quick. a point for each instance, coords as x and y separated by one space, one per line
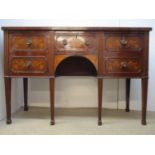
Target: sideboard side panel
146 55
6 53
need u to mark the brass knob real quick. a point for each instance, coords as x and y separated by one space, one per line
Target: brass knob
29 64
64 42
124 65
123 42
29 43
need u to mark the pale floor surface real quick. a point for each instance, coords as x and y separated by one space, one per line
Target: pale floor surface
81 121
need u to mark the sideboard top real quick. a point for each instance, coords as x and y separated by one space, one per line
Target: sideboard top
79 28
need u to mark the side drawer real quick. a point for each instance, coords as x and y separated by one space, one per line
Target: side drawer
29 43
29 65
123 65
124 42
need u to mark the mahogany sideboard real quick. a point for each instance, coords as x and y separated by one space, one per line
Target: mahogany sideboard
102 52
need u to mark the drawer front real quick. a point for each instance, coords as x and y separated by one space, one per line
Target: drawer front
28 65
26 43
120 42
123 65
76 43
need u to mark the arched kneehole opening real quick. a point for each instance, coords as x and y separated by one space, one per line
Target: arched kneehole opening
76 66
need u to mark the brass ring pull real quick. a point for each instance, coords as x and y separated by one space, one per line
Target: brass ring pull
29 64
64 42
124 65
123 42
87 43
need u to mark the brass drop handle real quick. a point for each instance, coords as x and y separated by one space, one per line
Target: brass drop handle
29 64
124 65
64 42
123 42
29 43
87 43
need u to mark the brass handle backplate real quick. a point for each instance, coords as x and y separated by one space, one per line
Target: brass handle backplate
87 43
29 64
29 43
123 41
124 65
64 42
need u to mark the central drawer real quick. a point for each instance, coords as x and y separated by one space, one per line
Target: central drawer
76 43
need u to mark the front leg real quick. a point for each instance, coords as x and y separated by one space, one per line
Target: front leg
52 100
100 87
25 86
8 99
144 99
127 95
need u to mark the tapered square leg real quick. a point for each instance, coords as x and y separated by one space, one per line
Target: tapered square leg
100 87
25 87
52 81
8 99
144 99
127 95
